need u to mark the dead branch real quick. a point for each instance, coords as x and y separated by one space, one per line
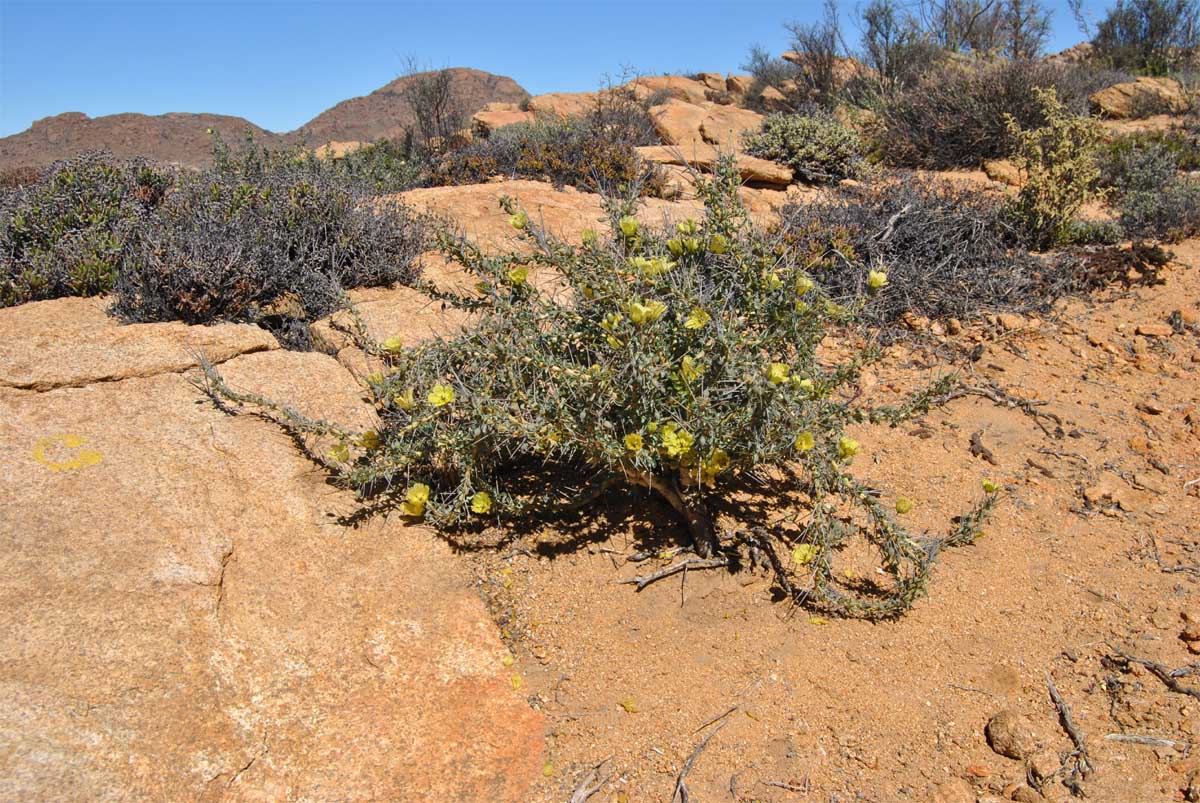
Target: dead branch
979 450
585 790
681 791
675 568
1168 676
1083 761
1149 741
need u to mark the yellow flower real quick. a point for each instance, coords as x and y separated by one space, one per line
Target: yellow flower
698 319
675 246
692 244
718 461
611 322
415 499
804 384
628 226
393 345
801 307
772 280
686 227
903 505
588 236
518 275
649 312
689 369
877 280
612 341
519 221
718 244
651 267
369 439
633 442
804 441
375 378
834 309
847 447
676 442
804 554
340 453
777 373
803 285
405 400
990 487
440 395
481 503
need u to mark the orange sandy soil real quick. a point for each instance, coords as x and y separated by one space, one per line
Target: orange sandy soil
1094 550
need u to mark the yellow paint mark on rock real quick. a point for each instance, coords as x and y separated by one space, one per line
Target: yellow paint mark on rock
64 452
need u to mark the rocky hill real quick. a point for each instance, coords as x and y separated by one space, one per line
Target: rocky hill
182 138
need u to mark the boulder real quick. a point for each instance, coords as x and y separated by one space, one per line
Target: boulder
70 342
1140 98
774 100
712 80
1003 171
562 104
704 157
678 122
725 126
483 123
676 86
739 84
185 617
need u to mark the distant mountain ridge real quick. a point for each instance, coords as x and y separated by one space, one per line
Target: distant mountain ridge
182 137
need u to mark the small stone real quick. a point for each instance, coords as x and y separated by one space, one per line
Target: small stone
979 771
954 326
1043 764
954 790
1010 322
1010 734
1026 794
1148 483
1162 619
1155 330
1151 407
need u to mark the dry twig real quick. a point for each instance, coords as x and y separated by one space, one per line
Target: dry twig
675 568
681 791
585 789
1083 762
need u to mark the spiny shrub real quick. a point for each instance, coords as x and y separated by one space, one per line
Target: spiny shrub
680 361
386 166
264 238
957 116
948 250
577 152
1152 199
1058 161
67 232
818 147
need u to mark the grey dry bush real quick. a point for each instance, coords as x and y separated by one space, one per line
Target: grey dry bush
948 250
817 146
680 361
266 238
1153 200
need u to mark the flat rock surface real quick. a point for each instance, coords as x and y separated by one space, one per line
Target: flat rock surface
70 342
185 619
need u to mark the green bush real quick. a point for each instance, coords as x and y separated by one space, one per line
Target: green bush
383 167
67 232
818 147
267 238
1148 36
1058 161
681 361
1179 142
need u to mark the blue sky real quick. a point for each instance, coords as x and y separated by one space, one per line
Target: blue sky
280 63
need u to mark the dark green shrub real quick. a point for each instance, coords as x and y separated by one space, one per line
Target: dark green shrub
956 116
1179 142
948 250
683 363
267 238
817 146
383 167
67 233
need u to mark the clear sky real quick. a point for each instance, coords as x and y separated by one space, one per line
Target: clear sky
280 63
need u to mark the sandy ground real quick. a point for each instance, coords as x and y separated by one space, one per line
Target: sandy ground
1093 552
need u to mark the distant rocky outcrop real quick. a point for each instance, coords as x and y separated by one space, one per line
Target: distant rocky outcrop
1142 97
182 138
